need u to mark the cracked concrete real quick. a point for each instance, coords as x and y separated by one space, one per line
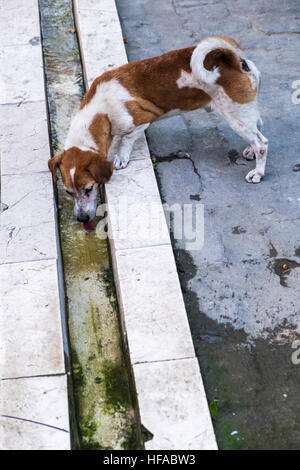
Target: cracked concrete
34 422
243 306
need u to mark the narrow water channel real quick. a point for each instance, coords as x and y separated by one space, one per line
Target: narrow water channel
104 396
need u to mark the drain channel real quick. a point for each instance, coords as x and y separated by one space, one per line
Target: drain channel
104 396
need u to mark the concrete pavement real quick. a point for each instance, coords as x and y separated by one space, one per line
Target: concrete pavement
243 307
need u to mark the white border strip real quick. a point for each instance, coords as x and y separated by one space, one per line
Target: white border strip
171 396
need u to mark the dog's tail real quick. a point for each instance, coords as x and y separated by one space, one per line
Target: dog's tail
220 60
211 54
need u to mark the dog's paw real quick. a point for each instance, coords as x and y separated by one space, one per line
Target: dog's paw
248 153
253 177
119 163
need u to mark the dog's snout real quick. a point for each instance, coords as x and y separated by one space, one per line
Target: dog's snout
83 218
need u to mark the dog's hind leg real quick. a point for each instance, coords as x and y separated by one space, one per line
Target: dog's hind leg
121 159
245 121
248 153
258 146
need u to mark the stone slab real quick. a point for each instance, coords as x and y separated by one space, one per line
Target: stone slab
38 399
136 214
24 139
23 79
31 333
19 32
24 435
97 27
102 5
152 305
173 406
27 226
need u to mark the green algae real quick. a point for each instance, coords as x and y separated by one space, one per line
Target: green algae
77 371
103 394
116 387
131 439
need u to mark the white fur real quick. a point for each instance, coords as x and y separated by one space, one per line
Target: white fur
254 74
122 158
109 99
244 120
114 147
187 79
199 54
86 204
72 173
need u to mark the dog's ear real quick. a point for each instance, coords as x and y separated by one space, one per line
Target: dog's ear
101 170
52 164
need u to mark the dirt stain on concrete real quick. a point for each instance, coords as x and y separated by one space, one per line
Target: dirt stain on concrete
243 378
283 267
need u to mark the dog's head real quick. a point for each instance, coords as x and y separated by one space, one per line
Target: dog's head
82 171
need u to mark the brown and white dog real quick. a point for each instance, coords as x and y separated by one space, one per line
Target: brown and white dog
123 102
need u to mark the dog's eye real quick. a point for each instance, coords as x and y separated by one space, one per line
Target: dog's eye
88 190
245 66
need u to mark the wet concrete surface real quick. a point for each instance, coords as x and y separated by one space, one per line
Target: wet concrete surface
242 290
104 396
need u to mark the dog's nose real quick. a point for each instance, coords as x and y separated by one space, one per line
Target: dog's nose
83 218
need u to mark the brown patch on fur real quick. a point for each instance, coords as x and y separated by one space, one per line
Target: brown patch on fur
153 81
90 167
100 129
220 56
230 40
101 170
237 85
142 111
52 165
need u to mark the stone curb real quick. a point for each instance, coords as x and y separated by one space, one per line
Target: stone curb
34 394
170 392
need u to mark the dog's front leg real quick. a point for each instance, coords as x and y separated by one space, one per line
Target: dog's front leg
121 159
